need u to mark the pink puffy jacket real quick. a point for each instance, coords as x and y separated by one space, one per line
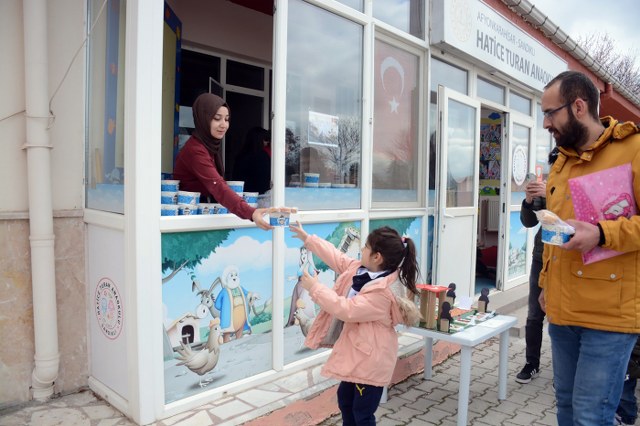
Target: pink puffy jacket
366 349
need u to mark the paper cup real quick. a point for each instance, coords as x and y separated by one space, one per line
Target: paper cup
250 197
324 185
169 185
169 210
236 185
169 197
186 197
187 209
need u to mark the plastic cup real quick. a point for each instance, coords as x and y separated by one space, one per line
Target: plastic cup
220 209
169 210
250 197
556 234
169 185
311 179
186 197
169 197
236 185
187 209
206 208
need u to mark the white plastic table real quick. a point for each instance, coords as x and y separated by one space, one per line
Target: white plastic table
467 339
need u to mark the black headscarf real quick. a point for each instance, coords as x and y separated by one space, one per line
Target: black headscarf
205 108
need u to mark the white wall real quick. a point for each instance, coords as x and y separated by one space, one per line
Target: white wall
66 27
12 130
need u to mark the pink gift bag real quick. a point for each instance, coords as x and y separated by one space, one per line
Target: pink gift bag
603 195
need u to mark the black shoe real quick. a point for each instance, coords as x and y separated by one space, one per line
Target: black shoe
527 373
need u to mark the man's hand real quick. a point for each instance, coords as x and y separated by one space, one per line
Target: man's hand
542 302
586 237
535 189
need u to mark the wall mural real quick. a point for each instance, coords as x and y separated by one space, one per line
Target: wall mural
517 247
218 306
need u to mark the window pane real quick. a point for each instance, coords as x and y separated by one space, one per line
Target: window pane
105 108
245 75
544 145
324 109
448 76
355 4
460 154
520 103
197 71
519 161
395 129
406 15
490 91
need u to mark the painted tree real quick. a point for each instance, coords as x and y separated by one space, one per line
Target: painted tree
187 249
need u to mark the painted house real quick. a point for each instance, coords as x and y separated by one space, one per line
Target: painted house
423 115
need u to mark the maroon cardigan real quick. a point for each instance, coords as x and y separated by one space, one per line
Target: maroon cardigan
197 172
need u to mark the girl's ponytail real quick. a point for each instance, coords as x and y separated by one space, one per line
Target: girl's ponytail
398 253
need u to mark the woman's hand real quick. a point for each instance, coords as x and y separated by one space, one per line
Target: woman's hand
307 281
258 219
300 233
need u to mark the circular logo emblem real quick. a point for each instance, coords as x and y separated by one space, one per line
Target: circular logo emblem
519 164
108 305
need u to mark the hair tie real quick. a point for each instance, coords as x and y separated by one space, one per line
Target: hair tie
404 242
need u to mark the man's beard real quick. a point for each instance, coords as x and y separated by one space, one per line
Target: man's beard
573 135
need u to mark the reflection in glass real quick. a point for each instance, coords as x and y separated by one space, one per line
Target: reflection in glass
324 110
520 103
354 4
544 145
395 130
519 145
452 77
105 108
405 15
490 91
461 155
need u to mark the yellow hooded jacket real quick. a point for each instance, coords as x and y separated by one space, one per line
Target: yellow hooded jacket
604 295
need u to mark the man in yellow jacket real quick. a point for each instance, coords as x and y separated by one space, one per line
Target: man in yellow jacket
593 309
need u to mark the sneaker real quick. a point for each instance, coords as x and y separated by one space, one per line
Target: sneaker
527 373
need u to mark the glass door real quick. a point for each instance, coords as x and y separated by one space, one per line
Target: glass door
457 210
512 263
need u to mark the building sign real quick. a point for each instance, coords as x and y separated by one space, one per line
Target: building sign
475 29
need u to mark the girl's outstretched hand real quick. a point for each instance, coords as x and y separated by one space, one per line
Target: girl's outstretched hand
307 280
300 233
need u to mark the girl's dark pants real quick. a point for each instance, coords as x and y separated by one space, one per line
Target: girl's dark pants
358 403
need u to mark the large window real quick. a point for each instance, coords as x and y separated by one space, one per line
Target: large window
395 129
324 109
105 107
406 15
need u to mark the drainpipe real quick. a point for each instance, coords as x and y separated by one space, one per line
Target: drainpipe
41 237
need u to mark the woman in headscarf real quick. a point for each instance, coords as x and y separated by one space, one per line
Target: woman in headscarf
199 165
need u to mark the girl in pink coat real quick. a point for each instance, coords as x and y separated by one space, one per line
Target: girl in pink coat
359 315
